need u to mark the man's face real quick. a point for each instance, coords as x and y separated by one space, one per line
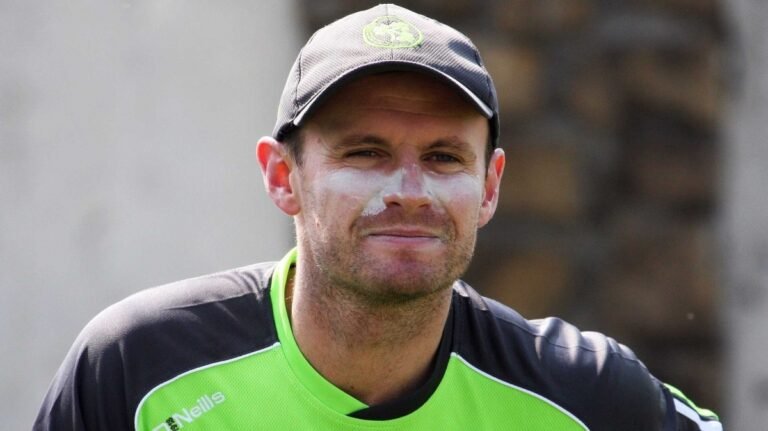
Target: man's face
392 186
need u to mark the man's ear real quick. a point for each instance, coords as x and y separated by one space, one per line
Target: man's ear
276 168
491 189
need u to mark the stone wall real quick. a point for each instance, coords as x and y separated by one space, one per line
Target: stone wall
611 122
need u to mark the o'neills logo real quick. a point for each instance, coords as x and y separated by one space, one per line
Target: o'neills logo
177 420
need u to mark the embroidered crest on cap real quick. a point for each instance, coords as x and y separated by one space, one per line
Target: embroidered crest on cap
389 31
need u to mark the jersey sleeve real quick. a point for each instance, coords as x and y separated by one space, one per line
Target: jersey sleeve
87 392
595 378
684 415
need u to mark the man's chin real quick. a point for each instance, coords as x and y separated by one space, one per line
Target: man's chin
402 288
405 279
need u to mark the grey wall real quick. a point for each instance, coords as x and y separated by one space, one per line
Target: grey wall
745 225
126 160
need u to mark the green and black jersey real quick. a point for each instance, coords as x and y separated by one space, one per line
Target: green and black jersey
217 353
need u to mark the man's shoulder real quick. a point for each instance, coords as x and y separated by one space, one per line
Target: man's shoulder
585 372
153 336
158 333
549 335
195 301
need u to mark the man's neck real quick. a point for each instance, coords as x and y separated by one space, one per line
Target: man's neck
374 352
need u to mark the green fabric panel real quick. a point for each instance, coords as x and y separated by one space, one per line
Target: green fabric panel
470 399
213 397
260 392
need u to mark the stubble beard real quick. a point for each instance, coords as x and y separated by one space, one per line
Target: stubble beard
397 279
362 301
365 295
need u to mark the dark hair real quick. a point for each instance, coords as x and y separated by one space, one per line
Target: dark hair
293 141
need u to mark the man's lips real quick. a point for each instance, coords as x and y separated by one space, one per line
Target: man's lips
404 233
394 223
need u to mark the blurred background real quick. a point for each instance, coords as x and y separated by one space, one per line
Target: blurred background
633 202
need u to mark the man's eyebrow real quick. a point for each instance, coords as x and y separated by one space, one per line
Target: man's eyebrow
452 142
360 138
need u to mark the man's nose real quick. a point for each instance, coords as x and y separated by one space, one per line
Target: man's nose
408 189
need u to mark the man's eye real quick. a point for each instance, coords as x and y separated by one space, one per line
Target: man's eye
443 158
363 153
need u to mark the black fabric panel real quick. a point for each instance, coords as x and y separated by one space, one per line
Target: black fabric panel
670 412
592 376
151 337
685 424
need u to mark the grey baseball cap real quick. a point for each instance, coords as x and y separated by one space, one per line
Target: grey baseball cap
385 38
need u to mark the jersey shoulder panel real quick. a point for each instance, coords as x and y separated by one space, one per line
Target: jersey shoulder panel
586 373
152 336
224 308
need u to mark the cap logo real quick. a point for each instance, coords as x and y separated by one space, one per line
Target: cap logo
389 31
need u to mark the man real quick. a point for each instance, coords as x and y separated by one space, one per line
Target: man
385 155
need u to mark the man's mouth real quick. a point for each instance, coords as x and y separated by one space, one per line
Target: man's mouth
405 236
403 232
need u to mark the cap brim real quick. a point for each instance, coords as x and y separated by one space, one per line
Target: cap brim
389 66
